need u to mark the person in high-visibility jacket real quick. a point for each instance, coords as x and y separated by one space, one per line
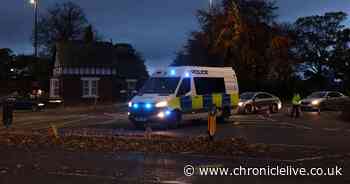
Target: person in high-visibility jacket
212 124
296 106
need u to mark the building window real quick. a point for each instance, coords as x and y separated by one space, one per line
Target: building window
98 71
54 88
90 87
76 71
87 71
81 71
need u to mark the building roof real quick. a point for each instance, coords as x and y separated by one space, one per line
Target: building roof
82 54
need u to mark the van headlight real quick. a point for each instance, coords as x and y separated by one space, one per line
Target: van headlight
41 104
130 104
162 104
240 104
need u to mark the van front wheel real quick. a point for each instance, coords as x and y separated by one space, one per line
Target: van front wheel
176 119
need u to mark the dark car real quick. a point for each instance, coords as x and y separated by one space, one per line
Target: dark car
324 100
21 103
249 102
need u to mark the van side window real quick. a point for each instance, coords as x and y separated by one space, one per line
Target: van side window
185 87
205 86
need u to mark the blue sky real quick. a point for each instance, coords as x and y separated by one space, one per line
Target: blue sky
157 28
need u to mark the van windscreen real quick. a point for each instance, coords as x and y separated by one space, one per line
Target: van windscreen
160 85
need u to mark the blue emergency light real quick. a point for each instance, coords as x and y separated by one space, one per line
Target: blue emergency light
167 113
135 106
172 72
148 105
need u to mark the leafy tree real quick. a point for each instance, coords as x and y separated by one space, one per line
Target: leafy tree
242 34
316 42
61 22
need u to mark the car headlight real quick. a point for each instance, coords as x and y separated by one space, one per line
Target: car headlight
41 104
130 104
315 102
162 104
279 105
240 104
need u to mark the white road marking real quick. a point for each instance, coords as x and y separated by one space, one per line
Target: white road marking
331 129
296 126
60 125
81 175
173 182
275 124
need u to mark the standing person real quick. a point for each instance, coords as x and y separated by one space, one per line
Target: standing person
296 106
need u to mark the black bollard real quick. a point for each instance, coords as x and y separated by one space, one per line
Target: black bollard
7 114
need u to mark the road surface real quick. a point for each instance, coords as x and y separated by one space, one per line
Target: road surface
325 130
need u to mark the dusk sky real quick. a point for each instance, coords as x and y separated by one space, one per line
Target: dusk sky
157 28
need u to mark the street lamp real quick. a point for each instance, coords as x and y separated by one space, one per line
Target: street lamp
211 4
35 3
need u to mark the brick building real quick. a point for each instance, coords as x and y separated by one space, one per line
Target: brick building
89 72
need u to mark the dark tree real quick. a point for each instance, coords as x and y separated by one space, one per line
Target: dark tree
88 34
340 61
315 44
6 58
61 22
131 63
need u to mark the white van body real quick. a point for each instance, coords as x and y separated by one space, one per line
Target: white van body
187 90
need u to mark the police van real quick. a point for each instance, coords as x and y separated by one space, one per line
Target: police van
176 93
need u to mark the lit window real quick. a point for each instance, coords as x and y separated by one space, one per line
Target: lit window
54 88
90 87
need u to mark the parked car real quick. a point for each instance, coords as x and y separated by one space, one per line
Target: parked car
324 100
21 103
249 102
